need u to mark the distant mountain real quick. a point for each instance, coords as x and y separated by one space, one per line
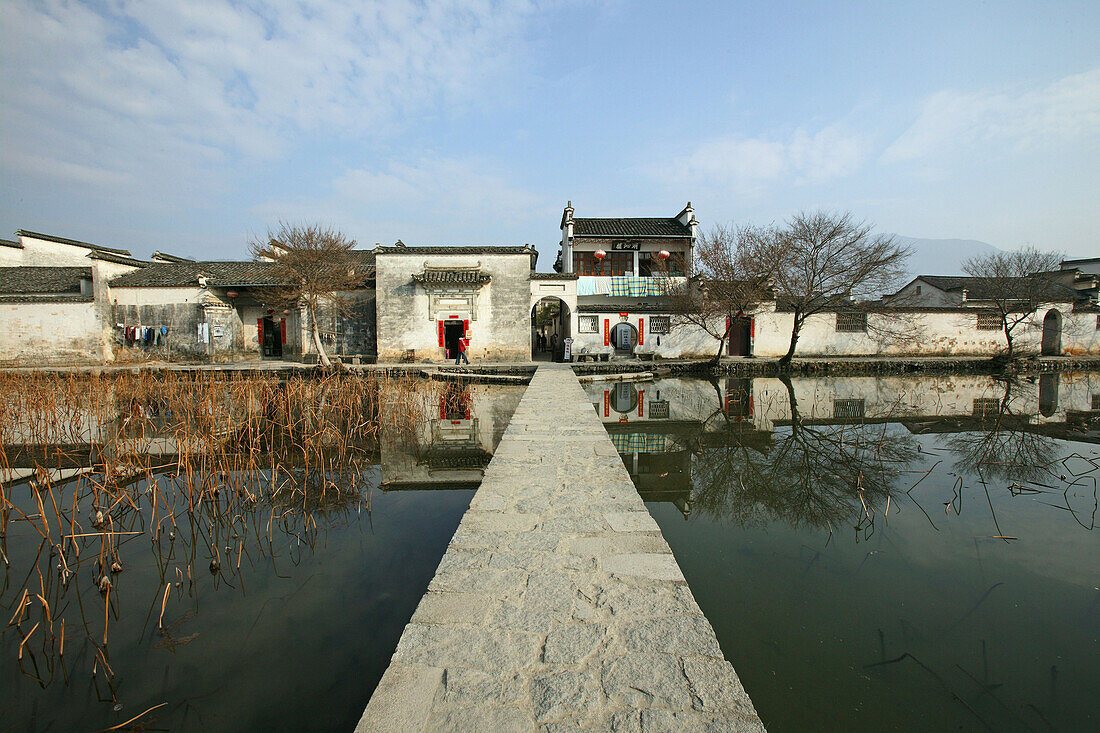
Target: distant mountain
942 256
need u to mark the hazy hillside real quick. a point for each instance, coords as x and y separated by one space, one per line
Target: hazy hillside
942 256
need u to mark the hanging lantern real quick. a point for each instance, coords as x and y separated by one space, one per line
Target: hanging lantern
599 254
664 254
270 311
231 294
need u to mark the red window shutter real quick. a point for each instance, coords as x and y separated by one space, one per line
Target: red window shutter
260 331
607 332
282 331
441 333
641 332
465 327
641 396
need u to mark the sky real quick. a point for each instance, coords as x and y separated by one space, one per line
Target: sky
190 127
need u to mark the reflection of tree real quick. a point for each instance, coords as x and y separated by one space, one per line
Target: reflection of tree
815 475
1005 446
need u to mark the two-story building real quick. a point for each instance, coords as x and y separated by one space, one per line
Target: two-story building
623 268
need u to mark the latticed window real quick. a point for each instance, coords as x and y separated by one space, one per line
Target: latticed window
588 324
658 409
851 322
989 322
660 324
1096 402
847 409
985 406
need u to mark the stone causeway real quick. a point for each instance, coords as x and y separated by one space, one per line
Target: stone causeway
558 605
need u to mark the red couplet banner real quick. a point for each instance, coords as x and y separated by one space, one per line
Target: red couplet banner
606 331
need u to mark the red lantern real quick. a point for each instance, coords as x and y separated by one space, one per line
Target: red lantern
231 294
664 254
599 254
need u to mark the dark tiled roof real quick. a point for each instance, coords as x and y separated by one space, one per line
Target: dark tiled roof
634 227
9 243
449 277
985 288
218 273
165 257
73 242
183 274
119 259
554 276
42 280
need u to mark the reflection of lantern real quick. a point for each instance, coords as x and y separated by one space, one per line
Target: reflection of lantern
231 294
599 254
664 254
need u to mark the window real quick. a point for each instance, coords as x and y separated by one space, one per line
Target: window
851 322
985 406
848 409
917 290
615 263
588 324
660 324
989 322
1098 323
1096 402
658 409
650 265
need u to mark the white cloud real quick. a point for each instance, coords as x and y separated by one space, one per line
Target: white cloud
427 200
1066 111
161 90
749 164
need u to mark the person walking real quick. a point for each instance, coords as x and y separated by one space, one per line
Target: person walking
463 344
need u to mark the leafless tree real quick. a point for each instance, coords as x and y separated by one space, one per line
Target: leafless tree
1015 284
826 257
734 268
316 265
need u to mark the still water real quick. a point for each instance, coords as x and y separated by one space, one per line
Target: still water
890 554
293 626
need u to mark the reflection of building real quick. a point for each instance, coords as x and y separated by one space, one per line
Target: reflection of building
452 446
658 426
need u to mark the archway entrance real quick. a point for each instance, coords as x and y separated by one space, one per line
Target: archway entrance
1052 333
624 337
549 329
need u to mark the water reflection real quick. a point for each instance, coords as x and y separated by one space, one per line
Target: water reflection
893 553
217 553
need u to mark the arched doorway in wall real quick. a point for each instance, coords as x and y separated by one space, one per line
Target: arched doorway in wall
624 337
549 328
1052 333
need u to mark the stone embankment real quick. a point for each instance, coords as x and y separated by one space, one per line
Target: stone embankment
558 604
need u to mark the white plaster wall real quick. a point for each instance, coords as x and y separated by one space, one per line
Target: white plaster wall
947 333
41 253
1081 333
50 332
499 331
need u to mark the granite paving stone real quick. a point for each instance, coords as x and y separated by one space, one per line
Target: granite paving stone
558 605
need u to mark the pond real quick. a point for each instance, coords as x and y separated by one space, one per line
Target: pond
223 553
891 553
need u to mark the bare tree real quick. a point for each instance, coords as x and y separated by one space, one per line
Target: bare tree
824 257
315 265
733 276
1014 285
